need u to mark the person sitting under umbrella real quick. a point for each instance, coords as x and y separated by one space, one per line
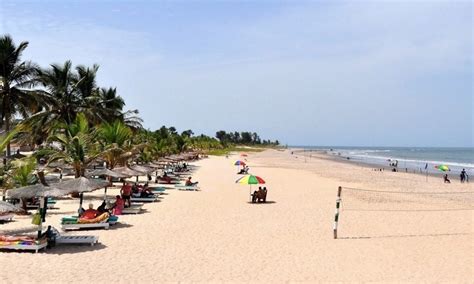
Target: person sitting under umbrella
90 213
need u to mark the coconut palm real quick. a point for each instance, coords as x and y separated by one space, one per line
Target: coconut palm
15 79
116 143
76 145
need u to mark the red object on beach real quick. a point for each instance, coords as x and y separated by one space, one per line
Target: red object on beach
239 163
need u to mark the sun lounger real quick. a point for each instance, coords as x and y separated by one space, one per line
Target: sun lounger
32 245
134 209
74 240
73 223
4 218
50 205
159 189
187 187
77 226
77 240
142 199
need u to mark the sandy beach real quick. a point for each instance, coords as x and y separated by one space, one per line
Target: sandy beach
216 235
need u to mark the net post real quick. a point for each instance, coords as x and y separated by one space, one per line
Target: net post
336 216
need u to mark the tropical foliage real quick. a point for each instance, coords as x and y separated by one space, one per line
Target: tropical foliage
62 113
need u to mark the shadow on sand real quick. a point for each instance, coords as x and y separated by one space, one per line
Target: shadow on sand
71 249
120 226
262 203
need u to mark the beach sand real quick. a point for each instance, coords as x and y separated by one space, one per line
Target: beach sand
216 235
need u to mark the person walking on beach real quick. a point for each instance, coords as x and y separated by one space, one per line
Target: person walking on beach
126 192
463 175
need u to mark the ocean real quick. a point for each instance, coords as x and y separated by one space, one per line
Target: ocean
412 158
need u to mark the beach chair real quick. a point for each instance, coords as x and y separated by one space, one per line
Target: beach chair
73 223
77 226
259 196
134 209
143 199
74 240
187 187
31 244
6 218
50 205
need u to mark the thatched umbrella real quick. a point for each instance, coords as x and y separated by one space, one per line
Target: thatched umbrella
37 190
6 207
128 171
80 185
142 169
108 173
31 191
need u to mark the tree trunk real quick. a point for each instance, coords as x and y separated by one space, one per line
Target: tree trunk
77 173
7 130
42 178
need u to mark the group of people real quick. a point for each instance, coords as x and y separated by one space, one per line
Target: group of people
164 179
136 190
260 195
464 177
244 170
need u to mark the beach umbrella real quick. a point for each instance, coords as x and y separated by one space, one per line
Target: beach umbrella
6 207
128 171
142 169
108 173
442 168
250 180
31 191
80 185
239 163
37 190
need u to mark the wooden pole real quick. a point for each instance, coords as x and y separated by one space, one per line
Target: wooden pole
336 217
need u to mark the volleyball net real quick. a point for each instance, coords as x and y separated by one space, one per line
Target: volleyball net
371 201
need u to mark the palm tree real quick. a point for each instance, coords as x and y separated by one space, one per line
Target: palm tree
76 144
15 79
116 143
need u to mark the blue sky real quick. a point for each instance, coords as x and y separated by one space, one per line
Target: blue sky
387 73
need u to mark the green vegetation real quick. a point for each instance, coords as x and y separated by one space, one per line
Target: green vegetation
61 113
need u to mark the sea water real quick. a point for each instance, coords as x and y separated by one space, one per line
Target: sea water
412 158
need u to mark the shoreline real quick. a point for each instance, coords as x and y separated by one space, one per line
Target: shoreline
322 154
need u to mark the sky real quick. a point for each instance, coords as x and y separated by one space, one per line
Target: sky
347 73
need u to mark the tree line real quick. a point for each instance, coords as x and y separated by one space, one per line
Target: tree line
245 138
61 113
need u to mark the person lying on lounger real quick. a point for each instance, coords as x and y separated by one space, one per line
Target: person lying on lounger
145 191
90 213
190 183
103 208
165 178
